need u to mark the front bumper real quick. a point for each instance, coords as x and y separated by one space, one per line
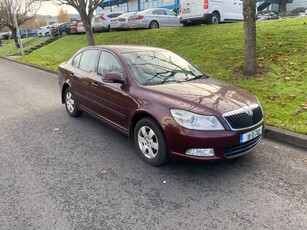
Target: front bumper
206 18
226 144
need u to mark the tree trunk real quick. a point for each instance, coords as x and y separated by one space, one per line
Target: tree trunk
249 12
14 35
284 6
89 33
87 21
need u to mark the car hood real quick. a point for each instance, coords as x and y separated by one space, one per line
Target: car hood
205 96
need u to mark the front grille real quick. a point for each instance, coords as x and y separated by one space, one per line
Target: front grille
242 148
242 120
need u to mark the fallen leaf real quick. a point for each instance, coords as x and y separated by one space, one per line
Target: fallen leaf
288 78
305 160
304 106
261 66
292 96
274 97
297 111
104 171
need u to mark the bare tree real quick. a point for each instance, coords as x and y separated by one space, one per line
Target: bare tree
1 19
24 9
86 10
249 13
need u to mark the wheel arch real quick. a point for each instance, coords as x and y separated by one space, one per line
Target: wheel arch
154 20
65 86
137 117
218 13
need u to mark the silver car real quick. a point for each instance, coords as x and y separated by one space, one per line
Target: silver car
43 31
121 22
154 18
101 22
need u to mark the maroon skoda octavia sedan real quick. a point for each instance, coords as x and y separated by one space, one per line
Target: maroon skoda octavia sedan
168 107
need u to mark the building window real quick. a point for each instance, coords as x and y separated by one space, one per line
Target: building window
146 4
116 8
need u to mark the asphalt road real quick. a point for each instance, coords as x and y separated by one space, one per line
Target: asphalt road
58 172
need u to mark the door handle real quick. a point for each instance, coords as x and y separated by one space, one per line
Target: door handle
95 83
71 74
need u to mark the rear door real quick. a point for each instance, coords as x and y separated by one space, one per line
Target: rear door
192 8
81 73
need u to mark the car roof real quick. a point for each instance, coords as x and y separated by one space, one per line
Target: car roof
128 48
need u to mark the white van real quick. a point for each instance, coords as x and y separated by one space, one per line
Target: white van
210 11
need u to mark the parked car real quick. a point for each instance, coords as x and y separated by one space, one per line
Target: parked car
6 35
101 22
168 107
43 31
154 18
210 11
77 27
61 29
121 22
26 33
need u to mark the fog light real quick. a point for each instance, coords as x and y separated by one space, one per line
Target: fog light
201 152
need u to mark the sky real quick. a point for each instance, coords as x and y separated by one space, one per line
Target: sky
50 8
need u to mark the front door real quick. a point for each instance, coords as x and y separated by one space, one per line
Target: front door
112 102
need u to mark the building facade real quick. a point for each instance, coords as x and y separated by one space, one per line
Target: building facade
138 5
292 4
135 5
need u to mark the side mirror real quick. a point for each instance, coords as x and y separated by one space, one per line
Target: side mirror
112 77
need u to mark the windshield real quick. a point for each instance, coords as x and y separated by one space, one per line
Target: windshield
159 67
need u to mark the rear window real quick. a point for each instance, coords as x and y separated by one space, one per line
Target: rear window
114 15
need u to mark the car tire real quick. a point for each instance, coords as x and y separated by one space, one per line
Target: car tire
153 25
150 142
63 33
215 18
71 104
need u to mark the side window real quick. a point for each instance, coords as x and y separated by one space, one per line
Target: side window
108 63
88 60
160 12
76 60
170 13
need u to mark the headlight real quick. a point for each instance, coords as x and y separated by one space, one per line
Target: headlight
195 121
